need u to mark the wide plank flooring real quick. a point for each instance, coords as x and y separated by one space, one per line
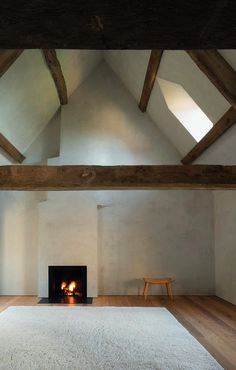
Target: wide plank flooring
211 320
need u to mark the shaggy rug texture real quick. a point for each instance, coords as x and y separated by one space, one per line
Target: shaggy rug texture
107 338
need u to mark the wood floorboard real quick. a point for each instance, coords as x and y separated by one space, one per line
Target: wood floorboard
210 319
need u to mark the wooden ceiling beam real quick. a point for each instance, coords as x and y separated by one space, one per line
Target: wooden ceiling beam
10 149
57 75
7 58
152 69
218 70
224 123
102 24
117 177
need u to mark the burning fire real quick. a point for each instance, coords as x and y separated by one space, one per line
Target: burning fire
72 286
69 289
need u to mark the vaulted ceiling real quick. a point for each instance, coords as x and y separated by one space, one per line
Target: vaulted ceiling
29 99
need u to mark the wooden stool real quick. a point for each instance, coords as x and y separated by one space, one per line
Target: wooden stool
162 281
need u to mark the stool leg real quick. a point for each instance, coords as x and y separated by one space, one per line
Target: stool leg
146 290
169 290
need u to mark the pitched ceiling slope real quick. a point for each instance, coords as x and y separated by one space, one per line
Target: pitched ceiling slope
177 67
28 97
223 151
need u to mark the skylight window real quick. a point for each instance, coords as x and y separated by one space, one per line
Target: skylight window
185 109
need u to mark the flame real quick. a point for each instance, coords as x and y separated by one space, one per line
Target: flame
63 285
72 286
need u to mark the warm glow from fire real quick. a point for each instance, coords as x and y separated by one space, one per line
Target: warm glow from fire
70 288
63 285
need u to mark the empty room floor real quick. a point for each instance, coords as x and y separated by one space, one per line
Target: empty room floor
211 320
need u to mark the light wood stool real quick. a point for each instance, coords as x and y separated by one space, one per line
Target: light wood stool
162 281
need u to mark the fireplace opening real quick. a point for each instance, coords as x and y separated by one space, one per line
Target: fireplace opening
67 284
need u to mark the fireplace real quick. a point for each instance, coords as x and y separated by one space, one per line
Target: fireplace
67 284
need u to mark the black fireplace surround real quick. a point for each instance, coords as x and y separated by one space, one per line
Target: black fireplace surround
67 284
64 276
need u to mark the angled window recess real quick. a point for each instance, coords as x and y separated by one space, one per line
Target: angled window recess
185 109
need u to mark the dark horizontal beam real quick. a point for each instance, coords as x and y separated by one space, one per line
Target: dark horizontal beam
224 123
103 24
117 177
10 149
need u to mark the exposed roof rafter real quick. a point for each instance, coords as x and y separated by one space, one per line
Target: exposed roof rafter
225 122
10 149
57 75
117 177
7 58
152 69
218 70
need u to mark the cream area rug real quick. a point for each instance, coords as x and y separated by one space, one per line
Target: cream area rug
107 338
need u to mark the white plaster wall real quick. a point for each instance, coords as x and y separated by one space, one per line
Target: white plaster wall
139 232
67 237
18 243
19 221
223 151
47 144
156 233
133 233
225 245
77 65
103 125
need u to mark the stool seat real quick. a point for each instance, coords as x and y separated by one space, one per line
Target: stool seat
158 281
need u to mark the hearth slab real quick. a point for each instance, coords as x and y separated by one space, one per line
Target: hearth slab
66 300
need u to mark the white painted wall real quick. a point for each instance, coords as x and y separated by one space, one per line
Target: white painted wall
225 245
137 233
156 233
103 125
19 221
223 151
47 144
67 237
178 67
77 65
18 243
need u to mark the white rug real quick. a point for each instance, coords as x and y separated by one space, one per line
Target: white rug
82 338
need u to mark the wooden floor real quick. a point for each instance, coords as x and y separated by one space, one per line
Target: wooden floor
209 319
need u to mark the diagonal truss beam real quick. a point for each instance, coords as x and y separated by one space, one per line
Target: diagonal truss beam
152 69
57 75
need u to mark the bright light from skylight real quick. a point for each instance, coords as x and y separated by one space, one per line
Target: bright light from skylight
185 109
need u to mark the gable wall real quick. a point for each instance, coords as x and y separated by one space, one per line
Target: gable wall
138 232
